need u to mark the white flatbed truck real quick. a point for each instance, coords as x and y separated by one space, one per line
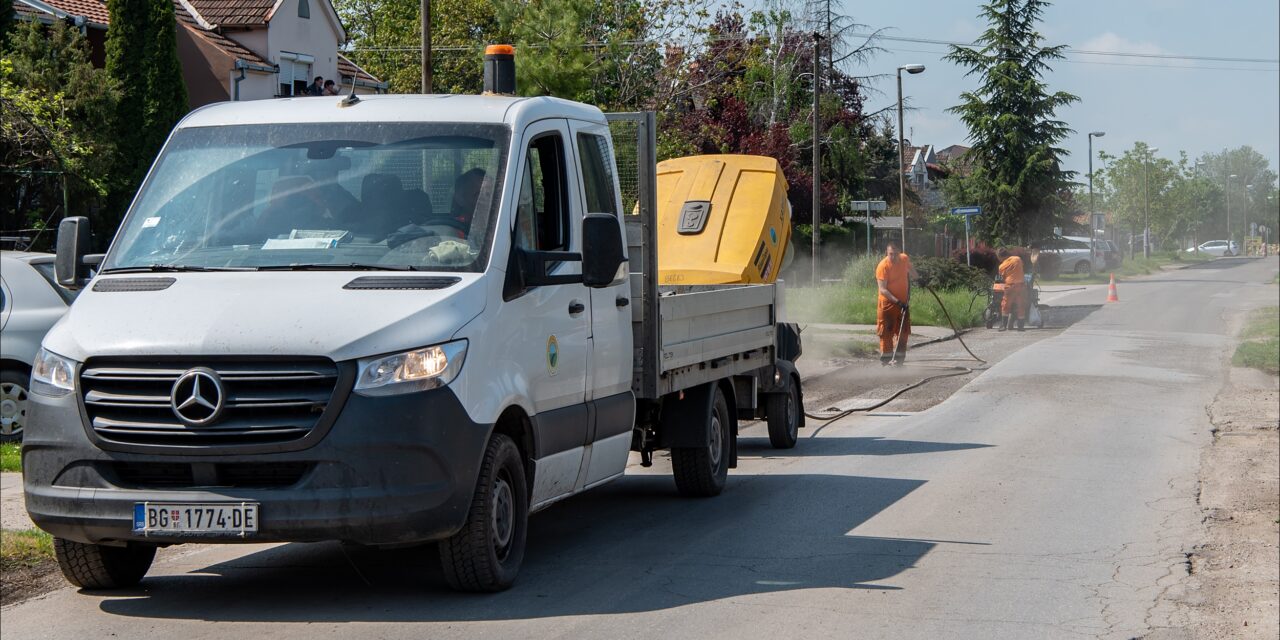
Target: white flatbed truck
399 320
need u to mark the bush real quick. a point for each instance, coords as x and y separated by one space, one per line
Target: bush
861 271
941 274
982 258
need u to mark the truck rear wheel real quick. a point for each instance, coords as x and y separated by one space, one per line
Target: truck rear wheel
485 555
702 471
95 566
783 413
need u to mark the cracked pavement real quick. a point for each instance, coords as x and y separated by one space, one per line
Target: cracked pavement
1053 496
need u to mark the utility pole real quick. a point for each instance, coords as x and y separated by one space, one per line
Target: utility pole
426 47
1229 234
1093 229
817 154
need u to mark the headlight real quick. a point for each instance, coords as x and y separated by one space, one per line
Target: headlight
416 370
52 374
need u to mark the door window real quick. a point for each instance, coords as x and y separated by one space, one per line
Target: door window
542 214
597 173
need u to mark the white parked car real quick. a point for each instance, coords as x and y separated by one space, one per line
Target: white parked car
1217 248
30 303
1075 253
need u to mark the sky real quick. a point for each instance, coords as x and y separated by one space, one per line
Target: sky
1157 101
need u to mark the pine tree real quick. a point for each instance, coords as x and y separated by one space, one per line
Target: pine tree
8 20
1017 176
142 56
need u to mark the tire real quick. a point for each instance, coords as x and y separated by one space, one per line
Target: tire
13 404
783 413
701 472
1084 268
95 566
485 555
989 317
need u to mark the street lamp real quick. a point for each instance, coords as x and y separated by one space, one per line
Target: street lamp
1244 242
1229 234
1146 203
902 149
1093 228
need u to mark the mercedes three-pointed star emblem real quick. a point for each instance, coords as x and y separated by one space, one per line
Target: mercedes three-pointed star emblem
198 397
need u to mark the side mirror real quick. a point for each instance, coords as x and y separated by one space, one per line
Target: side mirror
73 244
602 252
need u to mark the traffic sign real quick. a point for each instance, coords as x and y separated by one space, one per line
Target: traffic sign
966 211
869 205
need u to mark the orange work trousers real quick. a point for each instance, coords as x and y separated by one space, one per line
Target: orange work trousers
888 317
1014 301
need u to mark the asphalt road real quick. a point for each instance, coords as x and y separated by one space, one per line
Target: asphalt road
1053 496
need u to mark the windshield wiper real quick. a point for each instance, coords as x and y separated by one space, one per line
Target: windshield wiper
170 268
332 266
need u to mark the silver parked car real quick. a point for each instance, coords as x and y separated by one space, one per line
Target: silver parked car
30 303
1217 248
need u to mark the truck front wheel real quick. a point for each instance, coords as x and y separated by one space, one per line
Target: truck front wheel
95 566
485 555
702 471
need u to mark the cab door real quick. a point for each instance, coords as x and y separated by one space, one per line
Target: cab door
547 328
609 371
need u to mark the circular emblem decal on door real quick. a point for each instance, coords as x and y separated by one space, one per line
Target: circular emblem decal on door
553 354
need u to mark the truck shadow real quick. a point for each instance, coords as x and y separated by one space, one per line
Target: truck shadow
837 446
631 546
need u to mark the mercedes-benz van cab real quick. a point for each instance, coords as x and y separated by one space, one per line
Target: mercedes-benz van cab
383 321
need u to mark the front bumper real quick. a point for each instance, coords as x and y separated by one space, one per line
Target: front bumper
391 470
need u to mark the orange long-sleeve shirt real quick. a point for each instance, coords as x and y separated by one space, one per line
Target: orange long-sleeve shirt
1011 270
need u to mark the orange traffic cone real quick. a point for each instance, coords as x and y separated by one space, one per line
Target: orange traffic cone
1111 290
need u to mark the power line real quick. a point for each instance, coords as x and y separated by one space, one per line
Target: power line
1088 52
1119 64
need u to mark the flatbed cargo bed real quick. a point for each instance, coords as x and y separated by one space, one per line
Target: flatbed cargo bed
684 336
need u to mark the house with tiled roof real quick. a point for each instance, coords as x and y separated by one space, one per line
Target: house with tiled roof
235 49
924 173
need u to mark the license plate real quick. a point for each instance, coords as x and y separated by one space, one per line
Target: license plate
237 519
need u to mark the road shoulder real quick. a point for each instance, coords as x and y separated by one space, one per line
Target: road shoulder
1233 589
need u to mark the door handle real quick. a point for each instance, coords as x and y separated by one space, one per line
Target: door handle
576 307
622 301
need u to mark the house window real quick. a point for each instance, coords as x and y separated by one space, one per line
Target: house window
295 73
304 9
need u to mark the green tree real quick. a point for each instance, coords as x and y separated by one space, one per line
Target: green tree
549 37
386 39
1247 204
8 20
1017 175
142 57
58 111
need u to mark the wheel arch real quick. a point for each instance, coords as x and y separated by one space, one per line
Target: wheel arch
514 423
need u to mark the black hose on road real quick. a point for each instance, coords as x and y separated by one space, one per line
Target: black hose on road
951 373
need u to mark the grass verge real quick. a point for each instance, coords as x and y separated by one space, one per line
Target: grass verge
24 548
10 456
848 304
1261 346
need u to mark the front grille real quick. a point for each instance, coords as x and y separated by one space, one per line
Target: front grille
240 475
266 401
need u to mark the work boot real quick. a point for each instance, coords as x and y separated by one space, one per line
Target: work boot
885 358
1003 325
1022 324
899 358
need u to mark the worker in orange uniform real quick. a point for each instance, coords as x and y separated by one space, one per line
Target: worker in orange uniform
1014 302
893 321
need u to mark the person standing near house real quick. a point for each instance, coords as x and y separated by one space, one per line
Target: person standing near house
1014 301
316 88
893 323
330 89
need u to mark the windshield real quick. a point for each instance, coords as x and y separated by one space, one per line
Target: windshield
298 196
